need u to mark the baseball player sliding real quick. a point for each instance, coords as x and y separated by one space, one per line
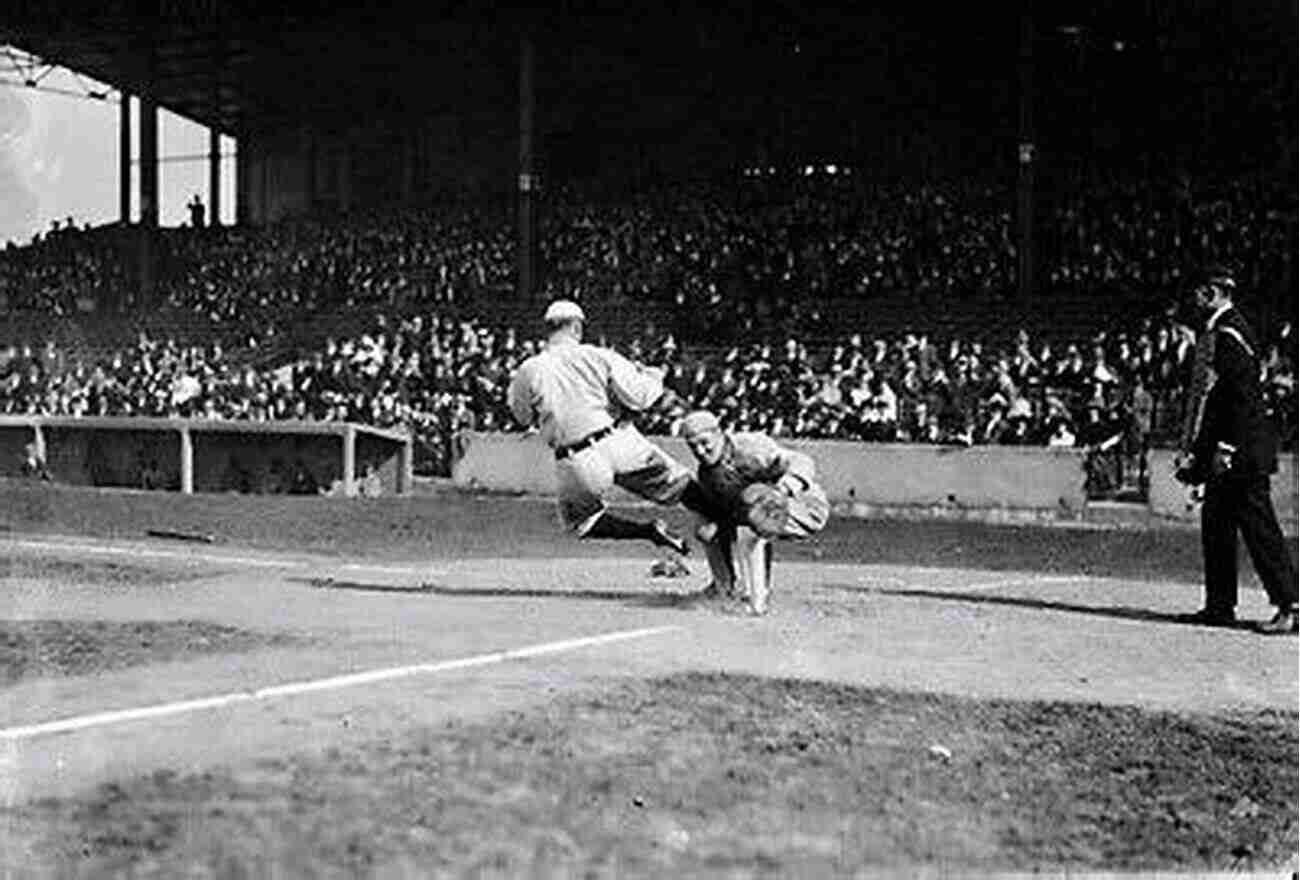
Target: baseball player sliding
757 491
569 391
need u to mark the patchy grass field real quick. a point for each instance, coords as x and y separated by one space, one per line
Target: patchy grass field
718 774
641 768
94 573
44 648
457 526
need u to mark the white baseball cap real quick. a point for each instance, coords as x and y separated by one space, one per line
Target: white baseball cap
564 310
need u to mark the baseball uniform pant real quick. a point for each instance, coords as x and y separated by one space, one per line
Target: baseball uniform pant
740 559
626 459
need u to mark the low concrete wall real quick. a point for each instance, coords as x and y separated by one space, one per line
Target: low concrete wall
988 482
1168 499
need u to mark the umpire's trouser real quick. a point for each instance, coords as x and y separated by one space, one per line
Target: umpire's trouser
1241 502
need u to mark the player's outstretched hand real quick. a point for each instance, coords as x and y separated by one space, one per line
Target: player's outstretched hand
766 509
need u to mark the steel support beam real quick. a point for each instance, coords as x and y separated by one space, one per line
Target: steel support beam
214 177
124 161
1027 150
526 282
148 162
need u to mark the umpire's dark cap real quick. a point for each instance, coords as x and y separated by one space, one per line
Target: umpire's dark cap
1218 276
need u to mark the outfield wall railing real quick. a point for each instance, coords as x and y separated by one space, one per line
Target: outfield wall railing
199 455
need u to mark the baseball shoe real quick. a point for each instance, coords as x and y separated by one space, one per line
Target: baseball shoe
1210 617
663 536
1284 623
669 567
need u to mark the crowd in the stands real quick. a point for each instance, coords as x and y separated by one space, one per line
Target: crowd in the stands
723 256
440 375
410 351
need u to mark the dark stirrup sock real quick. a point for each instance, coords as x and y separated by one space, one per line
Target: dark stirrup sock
611 525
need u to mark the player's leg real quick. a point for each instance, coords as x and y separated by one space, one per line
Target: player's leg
1219 514
580 488
645 470
1262 535
717 539
583 481
751 562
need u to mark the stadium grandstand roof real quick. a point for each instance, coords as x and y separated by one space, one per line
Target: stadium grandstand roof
240 65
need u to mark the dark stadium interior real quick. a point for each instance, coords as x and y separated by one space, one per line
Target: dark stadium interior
1135 73
695 195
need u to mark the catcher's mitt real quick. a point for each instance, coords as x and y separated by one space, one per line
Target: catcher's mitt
765 508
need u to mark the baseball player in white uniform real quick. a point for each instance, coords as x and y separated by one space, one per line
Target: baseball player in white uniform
570 392
758 492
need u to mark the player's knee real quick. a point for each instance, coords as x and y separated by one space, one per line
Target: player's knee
747 539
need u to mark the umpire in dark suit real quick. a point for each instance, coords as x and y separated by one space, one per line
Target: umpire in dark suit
1230 446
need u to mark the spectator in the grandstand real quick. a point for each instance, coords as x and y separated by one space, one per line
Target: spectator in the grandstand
727 267
1061 434
878 413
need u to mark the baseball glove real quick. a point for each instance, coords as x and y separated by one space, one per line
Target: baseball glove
765 508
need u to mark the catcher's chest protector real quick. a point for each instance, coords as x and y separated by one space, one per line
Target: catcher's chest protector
725 480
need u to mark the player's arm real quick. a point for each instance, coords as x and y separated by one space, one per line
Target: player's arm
789 469
668 400
797 469
519 397
635 387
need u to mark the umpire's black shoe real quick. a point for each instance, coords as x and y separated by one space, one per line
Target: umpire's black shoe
663 536
1210 617
1284 623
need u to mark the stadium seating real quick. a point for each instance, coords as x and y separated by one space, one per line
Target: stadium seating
240 315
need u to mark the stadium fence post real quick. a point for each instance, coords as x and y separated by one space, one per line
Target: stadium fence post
38 439
406 467
350 461
187 461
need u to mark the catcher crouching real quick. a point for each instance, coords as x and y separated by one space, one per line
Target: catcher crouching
758 492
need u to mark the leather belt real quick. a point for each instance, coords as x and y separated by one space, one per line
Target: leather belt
563 452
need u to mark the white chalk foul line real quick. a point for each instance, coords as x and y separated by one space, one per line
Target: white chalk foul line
109 550
222 558
162 710
1034 581
978 586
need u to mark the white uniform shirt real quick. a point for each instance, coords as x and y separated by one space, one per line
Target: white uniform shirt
567 390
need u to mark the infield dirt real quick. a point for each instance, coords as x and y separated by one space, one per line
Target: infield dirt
948 698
